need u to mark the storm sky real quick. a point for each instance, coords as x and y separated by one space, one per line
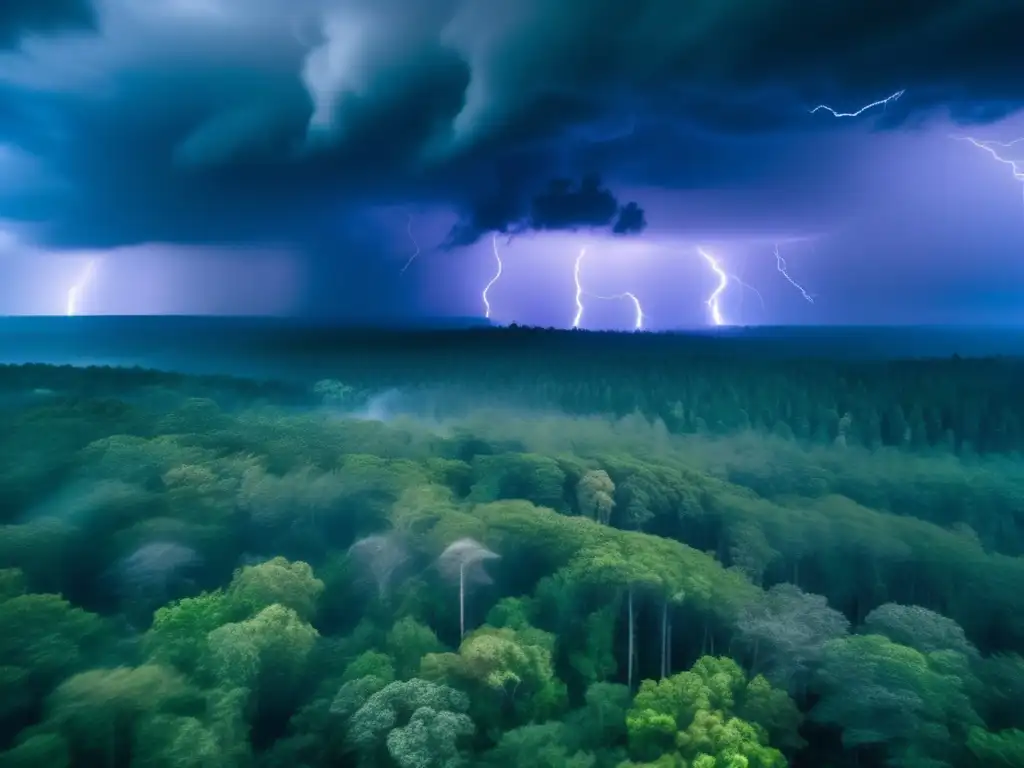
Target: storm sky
289 157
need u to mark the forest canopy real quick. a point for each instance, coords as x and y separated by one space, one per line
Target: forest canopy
699 568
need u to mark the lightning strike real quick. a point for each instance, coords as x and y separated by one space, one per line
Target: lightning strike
416 245
990 147
76 290
638 322
880 103
497 275
713 301
579 288
749 287
780 264
638 317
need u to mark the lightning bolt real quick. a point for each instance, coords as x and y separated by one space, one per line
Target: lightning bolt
713 301
739 281
749 287
579 288
990 147
75 291
780 264
638 322
639 316
880 103
497 275
416 245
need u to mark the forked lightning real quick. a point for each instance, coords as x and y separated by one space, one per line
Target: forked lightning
638 321
780 264
497 275
714 300
880 103
991 148
416 245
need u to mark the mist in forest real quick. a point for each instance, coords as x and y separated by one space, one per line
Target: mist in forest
524 554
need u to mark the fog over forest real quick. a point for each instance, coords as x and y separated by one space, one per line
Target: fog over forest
504 548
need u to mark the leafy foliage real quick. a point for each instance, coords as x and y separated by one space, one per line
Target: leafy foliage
719 565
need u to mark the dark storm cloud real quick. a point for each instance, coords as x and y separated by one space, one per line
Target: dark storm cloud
19 18
630 221
566 206
562 206
204 121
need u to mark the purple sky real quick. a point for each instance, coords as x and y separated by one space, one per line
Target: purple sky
208 160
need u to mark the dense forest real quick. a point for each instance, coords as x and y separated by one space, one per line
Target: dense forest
599 556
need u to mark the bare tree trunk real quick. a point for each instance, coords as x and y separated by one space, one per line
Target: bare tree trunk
629 666
462 601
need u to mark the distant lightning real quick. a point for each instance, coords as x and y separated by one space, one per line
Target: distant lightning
497 275
990 147
638 321
638 310
749 287
75 291
780 264
579 288
880 103
714 300
416 245
739 281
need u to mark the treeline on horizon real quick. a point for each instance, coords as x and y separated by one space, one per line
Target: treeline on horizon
695 384
208 571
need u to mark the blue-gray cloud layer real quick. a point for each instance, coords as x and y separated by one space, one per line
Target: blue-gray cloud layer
214 120
21 18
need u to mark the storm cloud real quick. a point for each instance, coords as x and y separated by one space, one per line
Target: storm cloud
21 18
220 121
562 206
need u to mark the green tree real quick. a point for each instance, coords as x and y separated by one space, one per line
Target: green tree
786 632
12 583
266 654
36 751
527 476
176 741
98 711
178 636
416 703
430 739
545 745
512 674
919 628
693 716
44 639
368 673
885 694
276 581
595 496
600 723
408 642
997 750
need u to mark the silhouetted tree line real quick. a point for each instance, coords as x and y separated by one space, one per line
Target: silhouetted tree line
948 405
